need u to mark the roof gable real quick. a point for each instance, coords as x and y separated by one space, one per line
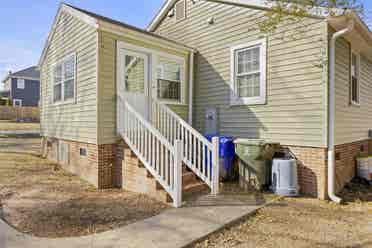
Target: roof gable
168 5
95 21
64 8
315 12
31 73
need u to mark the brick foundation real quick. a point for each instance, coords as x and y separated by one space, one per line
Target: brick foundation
345 155
312 166
96 167
312 170
107 166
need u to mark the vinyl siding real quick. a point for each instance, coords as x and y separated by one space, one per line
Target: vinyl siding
352 122
30 95
297 76
75 121
107 83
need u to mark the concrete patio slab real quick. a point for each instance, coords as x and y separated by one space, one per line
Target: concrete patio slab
173 228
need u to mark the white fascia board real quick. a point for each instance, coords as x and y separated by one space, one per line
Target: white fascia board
130 33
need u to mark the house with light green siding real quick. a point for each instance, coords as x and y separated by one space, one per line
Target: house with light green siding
127 107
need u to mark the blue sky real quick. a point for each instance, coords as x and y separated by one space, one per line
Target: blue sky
25 24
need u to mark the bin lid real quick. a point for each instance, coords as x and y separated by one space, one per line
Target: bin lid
254 142
257 142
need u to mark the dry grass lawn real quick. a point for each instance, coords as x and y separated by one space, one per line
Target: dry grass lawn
17 126
39 198
20 145
304 222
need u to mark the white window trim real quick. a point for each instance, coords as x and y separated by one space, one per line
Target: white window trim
21 81
17 100
182 63
184 10
73 99
234 97
352 102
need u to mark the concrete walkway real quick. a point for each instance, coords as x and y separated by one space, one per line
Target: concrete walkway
173 228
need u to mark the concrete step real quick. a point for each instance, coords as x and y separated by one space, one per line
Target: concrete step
188 177
129 153
195 187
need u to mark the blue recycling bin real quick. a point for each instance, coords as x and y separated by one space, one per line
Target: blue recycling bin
226 154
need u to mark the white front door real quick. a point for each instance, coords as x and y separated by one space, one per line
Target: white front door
133 83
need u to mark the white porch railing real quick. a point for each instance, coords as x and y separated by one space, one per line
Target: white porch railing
162 159
199 154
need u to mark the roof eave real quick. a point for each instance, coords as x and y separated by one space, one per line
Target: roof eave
255 4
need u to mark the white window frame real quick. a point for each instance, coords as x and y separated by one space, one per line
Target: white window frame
154 58
61 62
184 10
182 64
19 101
352 102
234 96
21 83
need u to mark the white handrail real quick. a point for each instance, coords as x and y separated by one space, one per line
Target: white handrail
162 159
199 154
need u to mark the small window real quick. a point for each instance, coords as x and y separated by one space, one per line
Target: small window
248 73
20 83
83 152
169 80
180 9
64 74
17 102
354 79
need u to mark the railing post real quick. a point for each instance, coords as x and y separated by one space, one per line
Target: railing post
178 155
215 165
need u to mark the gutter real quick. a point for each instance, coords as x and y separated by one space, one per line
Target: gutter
161 14
191 87
331 123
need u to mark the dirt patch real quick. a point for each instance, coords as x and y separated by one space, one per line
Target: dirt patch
6 125
39 198
302 222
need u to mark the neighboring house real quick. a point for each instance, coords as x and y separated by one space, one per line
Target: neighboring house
115 97
23 87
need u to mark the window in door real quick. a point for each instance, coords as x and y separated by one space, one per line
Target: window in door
134 74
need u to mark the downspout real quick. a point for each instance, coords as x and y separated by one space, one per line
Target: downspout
331 123
191 87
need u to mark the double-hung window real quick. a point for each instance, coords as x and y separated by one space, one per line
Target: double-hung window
64 79
248 73
169 80
20 83
354 79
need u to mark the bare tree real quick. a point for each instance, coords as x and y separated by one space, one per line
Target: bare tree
296 10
